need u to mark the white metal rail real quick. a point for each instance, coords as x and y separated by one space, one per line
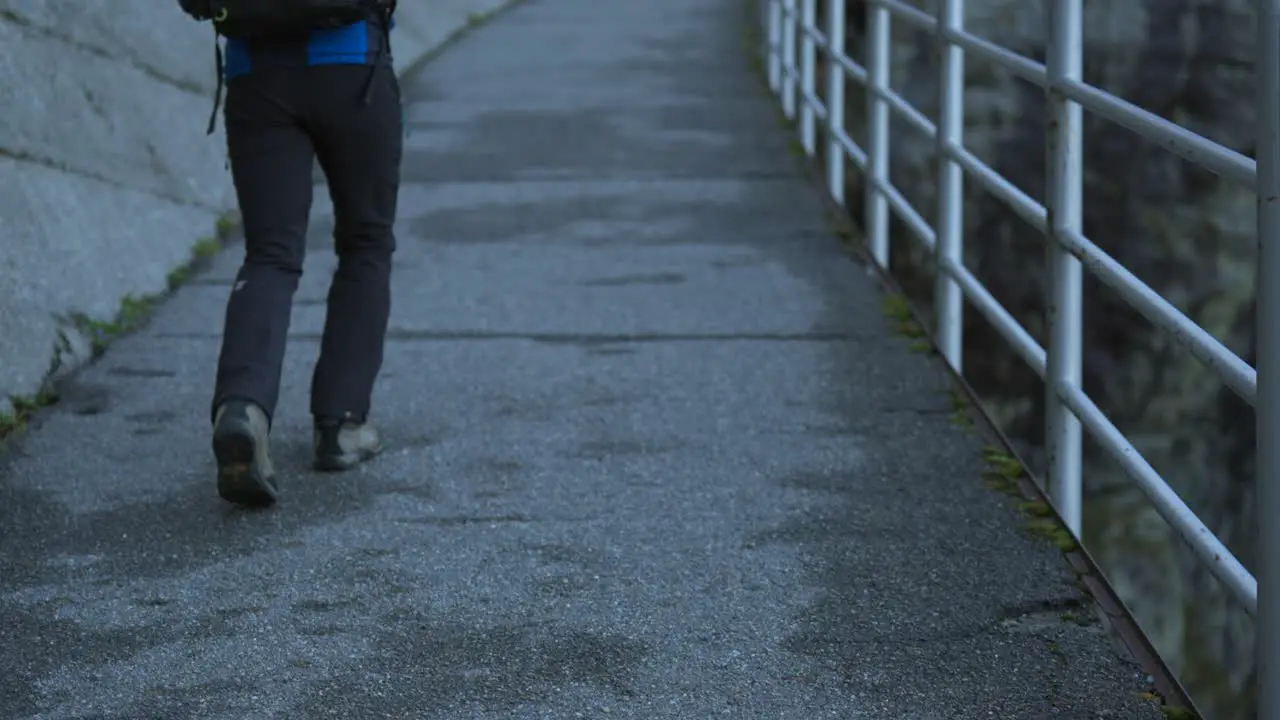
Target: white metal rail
792 73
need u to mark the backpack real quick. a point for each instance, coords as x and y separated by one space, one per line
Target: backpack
262 19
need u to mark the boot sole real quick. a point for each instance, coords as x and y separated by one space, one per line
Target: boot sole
240 479
342 463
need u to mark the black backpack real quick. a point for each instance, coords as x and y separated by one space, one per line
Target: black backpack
262 19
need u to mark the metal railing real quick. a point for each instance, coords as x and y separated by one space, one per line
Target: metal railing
792 73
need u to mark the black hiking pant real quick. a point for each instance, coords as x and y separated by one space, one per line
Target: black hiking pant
278 123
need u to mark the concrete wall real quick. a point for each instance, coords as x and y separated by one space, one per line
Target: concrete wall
107 179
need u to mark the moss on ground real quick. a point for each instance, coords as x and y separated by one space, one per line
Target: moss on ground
898 309
1004 474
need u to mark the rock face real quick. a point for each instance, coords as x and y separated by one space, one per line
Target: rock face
1184 231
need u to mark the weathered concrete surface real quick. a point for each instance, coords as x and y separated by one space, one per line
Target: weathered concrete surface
106 174
655 453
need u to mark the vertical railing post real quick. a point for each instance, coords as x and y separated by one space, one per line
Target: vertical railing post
1267 129
775 45
789 58
808 75
878 67
949 250
835 98
1064 146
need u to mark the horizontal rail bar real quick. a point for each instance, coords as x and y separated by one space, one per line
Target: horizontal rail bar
1200 538
815 33
851 148
818 107
993 182
916 223
1019 65
907 111
899 203
810 29
1233 371
1024 67
1182 142
856 72
1026 346
911 15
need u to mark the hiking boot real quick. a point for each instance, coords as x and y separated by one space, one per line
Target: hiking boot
343 445
242 449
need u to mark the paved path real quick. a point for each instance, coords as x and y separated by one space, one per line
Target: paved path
656 454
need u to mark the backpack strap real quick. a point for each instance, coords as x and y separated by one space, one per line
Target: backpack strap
220 67
386 9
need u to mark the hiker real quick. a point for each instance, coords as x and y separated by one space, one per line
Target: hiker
305 80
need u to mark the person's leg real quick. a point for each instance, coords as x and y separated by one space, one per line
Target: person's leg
359 147
271 157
